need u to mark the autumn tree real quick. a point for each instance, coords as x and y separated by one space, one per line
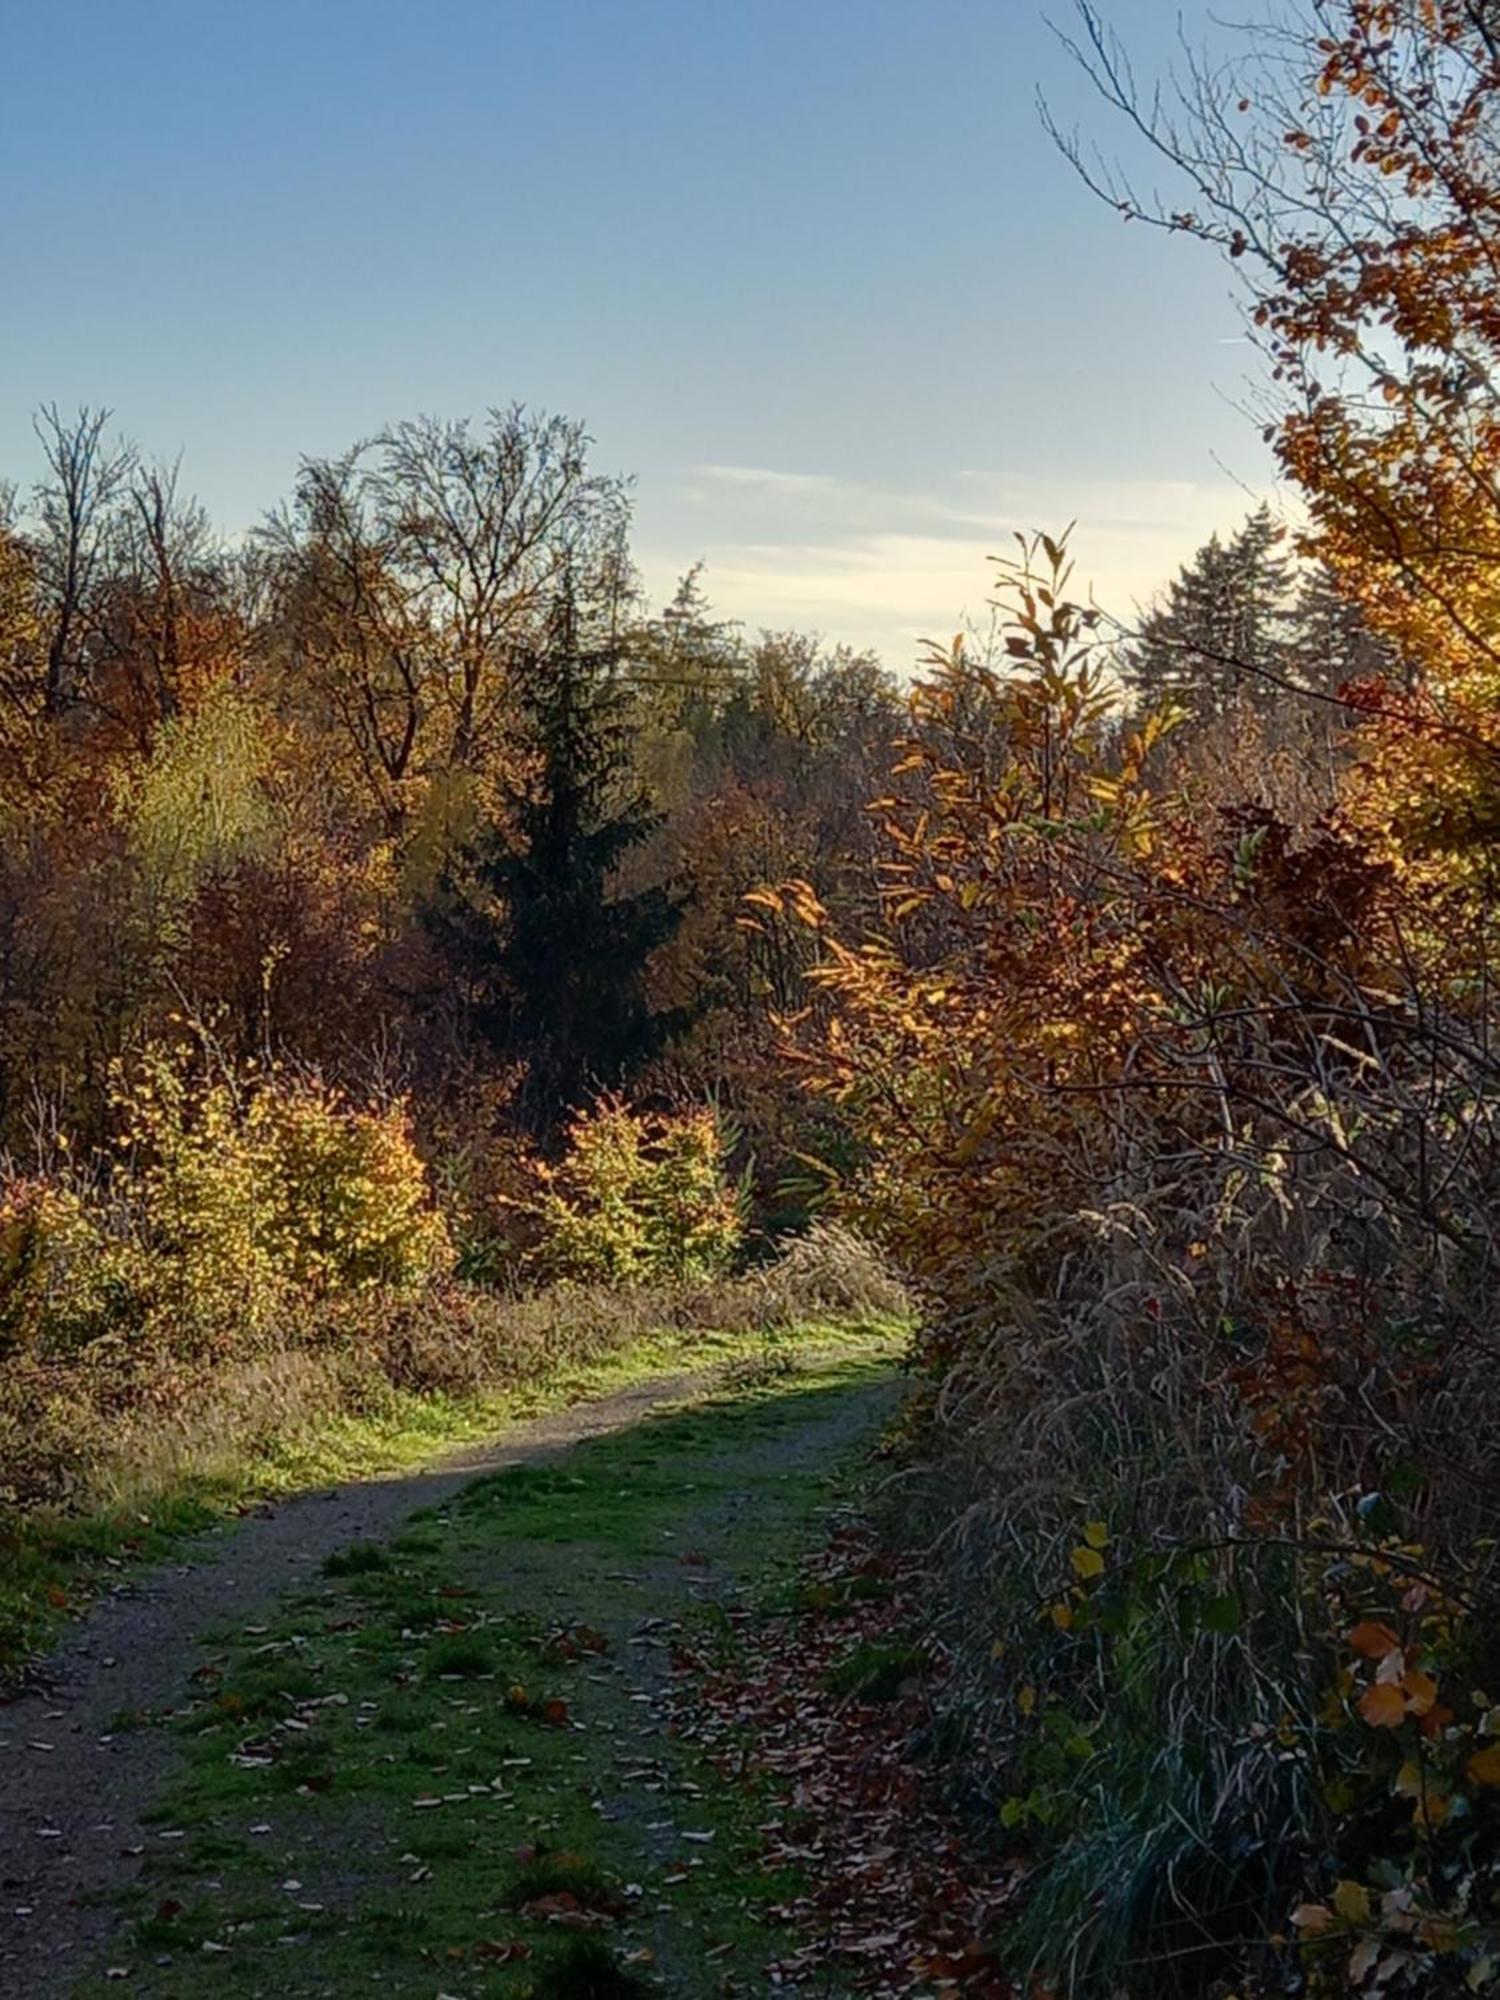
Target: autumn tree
1347 167
74 508
168 624
412 569
20 647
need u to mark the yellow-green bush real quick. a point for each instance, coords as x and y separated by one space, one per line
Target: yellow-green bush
235 1196
640 1195
352 1209
63 1282
197 1184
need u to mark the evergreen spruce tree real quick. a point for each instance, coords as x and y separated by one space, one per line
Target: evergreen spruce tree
1330 641
551 954
1223 626
693 662
688 669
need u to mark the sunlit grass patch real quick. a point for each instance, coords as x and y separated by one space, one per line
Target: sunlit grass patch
171 1483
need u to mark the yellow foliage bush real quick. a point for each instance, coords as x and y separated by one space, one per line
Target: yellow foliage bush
61 1282
197 1180
236 1195
352 1208
640 1195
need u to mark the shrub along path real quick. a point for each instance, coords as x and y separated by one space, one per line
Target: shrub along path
403 1737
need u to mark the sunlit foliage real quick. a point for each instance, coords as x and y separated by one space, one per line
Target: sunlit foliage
640 1196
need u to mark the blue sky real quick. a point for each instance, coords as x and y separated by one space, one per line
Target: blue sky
810 270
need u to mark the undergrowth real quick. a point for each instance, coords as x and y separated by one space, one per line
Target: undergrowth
1187 1120
131 1471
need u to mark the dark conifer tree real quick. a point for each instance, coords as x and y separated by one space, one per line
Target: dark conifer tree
693 662
1222 633
1330 641
551 953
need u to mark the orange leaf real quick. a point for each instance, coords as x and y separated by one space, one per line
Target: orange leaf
1374 1640
1420 1690
1383 1707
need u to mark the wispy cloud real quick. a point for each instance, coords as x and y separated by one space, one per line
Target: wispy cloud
765 478
881 567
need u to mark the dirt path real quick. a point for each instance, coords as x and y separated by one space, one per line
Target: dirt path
72 1784
76 1776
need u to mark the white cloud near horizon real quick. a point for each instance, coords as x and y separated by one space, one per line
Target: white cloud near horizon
871 566
766 478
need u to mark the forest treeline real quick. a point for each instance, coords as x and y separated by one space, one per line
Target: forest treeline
371 940
410 770
393 907
410 785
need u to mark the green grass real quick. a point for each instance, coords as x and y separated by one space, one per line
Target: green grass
52 1563
357 1560
458 1766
